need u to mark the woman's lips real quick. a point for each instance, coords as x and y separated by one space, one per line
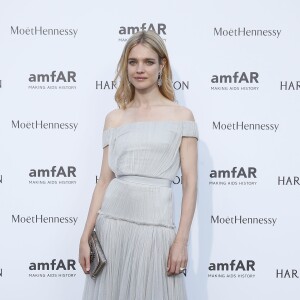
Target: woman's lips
140 78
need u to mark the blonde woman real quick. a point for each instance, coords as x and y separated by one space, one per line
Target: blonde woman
145 142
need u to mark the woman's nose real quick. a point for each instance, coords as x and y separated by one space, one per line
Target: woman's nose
140 68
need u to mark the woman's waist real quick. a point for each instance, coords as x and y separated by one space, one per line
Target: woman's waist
145 180
138 202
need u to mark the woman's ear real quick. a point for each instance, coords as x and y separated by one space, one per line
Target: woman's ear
162 65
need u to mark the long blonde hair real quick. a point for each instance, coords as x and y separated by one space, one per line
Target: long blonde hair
125 90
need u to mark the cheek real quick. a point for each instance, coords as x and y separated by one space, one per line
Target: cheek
130 70
154 71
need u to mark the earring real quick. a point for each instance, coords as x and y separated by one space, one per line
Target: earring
159 80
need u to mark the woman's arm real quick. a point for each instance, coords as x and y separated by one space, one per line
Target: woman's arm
189 170
106 175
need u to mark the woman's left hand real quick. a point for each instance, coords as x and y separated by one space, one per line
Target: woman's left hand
178 258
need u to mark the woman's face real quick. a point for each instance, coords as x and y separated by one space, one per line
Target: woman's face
143 67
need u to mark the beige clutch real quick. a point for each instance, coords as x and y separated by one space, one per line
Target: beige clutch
98 259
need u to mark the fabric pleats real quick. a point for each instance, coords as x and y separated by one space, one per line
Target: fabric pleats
136 248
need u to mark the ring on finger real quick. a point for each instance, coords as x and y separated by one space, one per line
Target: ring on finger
182 270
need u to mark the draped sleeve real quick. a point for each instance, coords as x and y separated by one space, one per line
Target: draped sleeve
106 137
190 129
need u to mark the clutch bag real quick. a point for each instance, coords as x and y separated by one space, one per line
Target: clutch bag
97 258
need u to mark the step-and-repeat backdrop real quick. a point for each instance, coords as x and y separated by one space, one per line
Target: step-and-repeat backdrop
236 66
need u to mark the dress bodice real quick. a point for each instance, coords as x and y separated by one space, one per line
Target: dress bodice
147 148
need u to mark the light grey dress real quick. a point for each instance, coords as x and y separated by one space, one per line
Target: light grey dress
135 224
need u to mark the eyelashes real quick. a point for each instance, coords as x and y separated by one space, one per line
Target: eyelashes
148 62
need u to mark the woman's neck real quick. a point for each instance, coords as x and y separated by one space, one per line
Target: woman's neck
145 99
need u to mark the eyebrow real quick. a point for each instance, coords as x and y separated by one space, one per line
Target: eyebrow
133 58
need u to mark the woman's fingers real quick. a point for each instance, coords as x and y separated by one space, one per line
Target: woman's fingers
168 264
84 257
83 264
172 267
177 268
177 259
87 264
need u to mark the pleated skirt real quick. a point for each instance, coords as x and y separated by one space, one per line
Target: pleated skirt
136 230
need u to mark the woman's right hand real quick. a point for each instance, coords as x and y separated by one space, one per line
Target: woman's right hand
84 256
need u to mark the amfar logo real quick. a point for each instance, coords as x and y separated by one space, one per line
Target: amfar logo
286 180
287 273
58 79
234 173
1 272
69 76
290 85
225 176
54 172
54 265
1 178
233 269
55 268
233 266
159 28
237 78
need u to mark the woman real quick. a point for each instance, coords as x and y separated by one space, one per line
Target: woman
145 141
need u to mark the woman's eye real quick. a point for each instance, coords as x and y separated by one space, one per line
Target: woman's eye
131 62
150 62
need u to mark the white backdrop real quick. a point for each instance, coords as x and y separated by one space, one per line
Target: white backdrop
246 124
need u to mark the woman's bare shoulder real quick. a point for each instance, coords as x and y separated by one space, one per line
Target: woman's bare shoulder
183 113
113 118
